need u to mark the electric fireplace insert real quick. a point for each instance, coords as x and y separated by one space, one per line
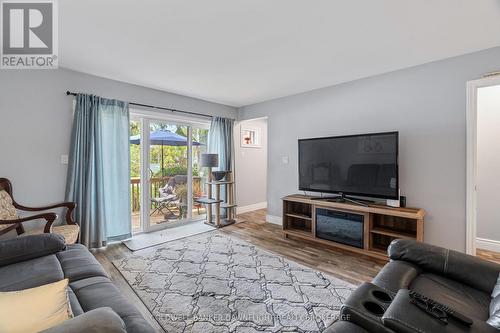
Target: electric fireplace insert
340 227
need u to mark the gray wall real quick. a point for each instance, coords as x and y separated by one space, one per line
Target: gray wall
36 118
251 166
488 163
426 104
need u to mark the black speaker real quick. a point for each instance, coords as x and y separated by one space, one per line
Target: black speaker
402 201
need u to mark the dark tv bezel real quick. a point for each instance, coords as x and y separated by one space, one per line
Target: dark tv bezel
369 195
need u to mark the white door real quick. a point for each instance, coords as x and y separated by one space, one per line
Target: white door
488 168
483 121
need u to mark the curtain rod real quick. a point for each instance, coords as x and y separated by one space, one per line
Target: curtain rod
157 107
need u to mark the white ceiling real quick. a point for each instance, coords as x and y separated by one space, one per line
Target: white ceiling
240 52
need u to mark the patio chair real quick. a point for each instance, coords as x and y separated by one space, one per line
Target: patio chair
10 220
168 199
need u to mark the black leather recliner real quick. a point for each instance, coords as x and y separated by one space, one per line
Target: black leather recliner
462 282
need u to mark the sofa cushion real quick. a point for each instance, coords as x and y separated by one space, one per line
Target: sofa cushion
30 273
95 321
78 263
75 304
34 309
75 263
460 297
99 291
29 247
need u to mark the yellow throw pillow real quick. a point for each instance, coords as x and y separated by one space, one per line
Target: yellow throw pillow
35 309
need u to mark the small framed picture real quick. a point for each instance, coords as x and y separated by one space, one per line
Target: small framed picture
250 137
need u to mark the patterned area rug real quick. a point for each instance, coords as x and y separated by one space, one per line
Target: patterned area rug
216 283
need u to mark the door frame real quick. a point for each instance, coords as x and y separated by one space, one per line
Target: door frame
471 191
146 117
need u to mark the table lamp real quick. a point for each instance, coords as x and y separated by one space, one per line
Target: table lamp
209 161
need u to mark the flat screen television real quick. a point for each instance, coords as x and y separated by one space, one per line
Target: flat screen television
360 165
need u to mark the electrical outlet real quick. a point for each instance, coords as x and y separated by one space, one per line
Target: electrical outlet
284 159
64 159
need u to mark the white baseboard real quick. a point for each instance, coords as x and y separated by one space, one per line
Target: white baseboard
274 219
251 208
488 244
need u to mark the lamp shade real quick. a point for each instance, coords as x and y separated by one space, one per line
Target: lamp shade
209 160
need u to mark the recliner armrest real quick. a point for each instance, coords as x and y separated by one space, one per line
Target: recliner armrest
95 321
396 275
467 269
29 247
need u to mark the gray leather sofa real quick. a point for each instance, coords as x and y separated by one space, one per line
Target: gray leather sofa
98 306
462 282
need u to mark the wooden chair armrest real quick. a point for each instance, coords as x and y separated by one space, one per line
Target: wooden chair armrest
70 207
49 217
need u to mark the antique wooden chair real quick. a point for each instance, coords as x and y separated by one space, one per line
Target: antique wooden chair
9 219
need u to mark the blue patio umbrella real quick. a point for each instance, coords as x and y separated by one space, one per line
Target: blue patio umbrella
163 138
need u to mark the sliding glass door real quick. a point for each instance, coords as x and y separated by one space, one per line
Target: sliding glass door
199 137
165 174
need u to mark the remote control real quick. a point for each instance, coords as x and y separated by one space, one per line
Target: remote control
431 306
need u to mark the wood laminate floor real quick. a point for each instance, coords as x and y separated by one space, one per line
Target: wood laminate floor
347 266
488 255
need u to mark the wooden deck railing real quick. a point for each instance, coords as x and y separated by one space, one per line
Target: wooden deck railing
154 189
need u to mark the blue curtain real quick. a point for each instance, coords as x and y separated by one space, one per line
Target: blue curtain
220 141
99 169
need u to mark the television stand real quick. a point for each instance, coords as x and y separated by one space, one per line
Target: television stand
342 198
303 214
